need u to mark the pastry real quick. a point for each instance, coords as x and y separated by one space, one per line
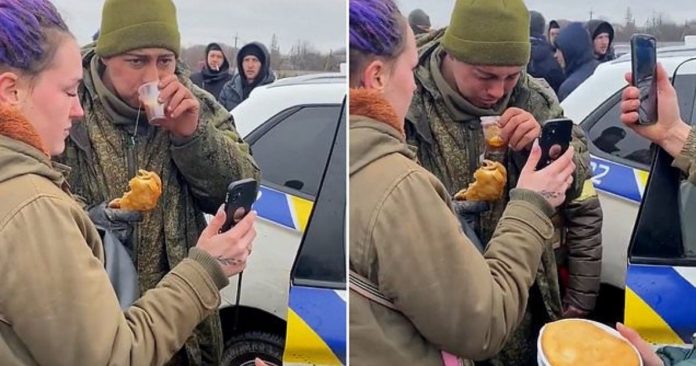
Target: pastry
489 183
143 194
575 342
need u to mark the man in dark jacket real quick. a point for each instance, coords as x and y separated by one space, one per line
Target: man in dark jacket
602 34
553 32
216 71
253 69
542 63
575 50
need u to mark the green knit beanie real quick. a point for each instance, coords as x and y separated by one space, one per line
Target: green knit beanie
131 24
489 32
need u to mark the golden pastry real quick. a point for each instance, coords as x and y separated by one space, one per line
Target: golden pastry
575 342
144 191
489 183
495 142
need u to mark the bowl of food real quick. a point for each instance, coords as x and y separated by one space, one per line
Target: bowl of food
576 342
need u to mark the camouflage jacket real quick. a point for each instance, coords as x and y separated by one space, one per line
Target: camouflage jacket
451 150
104 155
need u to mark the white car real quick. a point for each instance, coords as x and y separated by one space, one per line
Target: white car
292 126
621 161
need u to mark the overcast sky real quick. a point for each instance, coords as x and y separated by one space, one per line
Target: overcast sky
321 22
613 10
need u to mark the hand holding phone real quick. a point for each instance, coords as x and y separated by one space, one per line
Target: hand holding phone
554 140
241 195
643 71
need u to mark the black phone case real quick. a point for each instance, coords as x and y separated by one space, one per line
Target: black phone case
240 194
643 68
554 132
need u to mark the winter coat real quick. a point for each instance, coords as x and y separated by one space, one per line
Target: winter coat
408 242
237 90
58 306
106 150
210 80
543 64
449 143
576 46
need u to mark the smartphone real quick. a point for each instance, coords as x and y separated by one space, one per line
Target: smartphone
643 68
241 195
554 140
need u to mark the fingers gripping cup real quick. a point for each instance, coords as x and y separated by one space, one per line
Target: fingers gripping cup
149 96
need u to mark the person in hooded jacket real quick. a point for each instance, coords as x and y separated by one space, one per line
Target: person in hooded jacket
602 34
574 52
216 71
542 63
254 69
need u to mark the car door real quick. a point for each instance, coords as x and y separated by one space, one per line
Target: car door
316 321
291 149
660 298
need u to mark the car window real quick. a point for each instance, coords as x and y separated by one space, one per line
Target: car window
611 140
292 152
321 261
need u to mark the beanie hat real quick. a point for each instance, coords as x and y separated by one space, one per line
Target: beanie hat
131 24
489 32
537 23
418 18
554 24
252 49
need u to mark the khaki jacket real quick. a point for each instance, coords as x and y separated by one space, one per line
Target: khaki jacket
57 306
406 240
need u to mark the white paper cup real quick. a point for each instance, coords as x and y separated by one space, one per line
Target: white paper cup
541 358
149 94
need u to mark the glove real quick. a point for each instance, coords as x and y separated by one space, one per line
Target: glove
468 213
120 222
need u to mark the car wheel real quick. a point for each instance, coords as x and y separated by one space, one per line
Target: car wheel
241 350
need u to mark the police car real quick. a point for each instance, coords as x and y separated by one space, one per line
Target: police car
292 303
648 279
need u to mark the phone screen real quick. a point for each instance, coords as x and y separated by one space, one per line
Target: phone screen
644 62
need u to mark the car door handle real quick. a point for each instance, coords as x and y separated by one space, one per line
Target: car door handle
295 184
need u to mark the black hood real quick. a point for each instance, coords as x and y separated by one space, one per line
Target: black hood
257 49
207 72
596 27
576 46
536 24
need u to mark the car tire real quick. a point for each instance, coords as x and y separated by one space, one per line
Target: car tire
242 349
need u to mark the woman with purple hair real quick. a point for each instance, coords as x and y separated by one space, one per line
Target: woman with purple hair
57 306
420 291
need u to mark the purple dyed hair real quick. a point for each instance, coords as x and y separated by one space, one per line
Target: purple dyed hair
374 27
27 34
377 29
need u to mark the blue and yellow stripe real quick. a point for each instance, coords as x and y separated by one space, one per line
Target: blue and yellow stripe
284 209
661 303
618 180
316 331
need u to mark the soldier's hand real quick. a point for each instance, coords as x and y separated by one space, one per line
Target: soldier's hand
645 350
181 107
232 247
553 181
519 128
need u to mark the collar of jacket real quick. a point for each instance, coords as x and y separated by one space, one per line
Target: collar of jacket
14 125
370 103
23 152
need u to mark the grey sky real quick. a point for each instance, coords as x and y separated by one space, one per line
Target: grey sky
613 10
321 22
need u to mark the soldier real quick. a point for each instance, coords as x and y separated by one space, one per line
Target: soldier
195 148
474 68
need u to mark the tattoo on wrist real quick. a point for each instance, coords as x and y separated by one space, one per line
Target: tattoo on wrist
549 195
228 261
